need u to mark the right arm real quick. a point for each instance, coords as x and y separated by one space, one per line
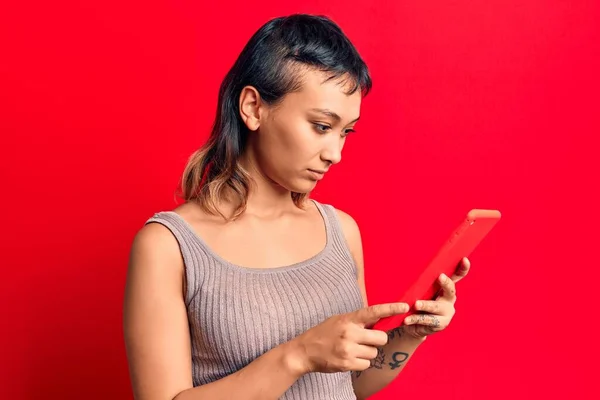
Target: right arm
157 339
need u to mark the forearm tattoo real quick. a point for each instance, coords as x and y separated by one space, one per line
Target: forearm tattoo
396 333
378 361
397 359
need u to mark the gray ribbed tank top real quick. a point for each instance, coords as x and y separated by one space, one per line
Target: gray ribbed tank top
238 313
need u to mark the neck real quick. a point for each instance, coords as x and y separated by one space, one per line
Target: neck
266 199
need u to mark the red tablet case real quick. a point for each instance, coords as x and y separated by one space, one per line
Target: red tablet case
461 243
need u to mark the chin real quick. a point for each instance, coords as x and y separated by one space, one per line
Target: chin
301 186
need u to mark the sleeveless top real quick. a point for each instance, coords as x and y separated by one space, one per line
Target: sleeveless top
237 313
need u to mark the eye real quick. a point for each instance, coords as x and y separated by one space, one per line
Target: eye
321 128
347 132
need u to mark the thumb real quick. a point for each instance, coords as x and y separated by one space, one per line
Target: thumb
370 315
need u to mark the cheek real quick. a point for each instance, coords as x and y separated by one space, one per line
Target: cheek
292 144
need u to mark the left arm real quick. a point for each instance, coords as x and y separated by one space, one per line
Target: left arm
404 340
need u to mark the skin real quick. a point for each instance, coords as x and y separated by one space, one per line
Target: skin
395 354
285 142
306 131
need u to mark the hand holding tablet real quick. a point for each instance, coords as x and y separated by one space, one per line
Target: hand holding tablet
461 243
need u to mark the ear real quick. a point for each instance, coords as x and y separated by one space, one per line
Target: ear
250 107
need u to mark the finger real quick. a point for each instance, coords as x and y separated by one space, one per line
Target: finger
360 364
433 321
461 270
372 337
433 307
366 352
372 314
448 288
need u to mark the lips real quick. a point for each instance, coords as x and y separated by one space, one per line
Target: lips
317 174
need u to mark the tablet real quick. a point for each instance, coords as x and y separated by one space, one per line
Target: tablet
461 243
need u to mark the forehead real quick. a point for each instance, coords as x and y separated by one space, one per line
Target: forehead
317 91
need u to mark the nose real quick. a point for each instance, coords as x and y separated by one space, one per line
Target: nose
332 152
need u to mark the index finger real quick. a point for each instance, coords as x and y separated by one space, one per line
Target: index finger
370 315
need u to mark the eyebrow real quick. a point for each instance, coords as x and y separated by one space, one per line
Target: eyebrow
331 114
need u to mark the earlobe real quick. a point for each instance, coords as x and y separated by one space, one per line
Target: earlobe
250 107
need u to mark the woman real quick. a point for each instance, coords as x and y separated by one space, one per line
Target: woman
249 290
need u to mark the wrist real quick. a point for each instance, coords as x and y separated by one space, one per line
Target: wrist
408 334
418 339
294 358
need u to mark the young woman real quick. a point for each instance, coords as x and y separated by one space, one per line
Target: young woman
250 290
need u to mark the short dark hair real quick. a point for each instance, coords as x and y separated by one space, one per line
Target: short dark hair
270 62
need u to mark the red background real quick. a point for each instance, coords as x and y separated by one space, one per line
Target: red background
490 104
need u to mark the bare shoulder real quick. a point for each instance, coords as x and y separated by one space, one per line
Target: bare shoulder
189 210
155 262
349 227
154 246
157 241
194 214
